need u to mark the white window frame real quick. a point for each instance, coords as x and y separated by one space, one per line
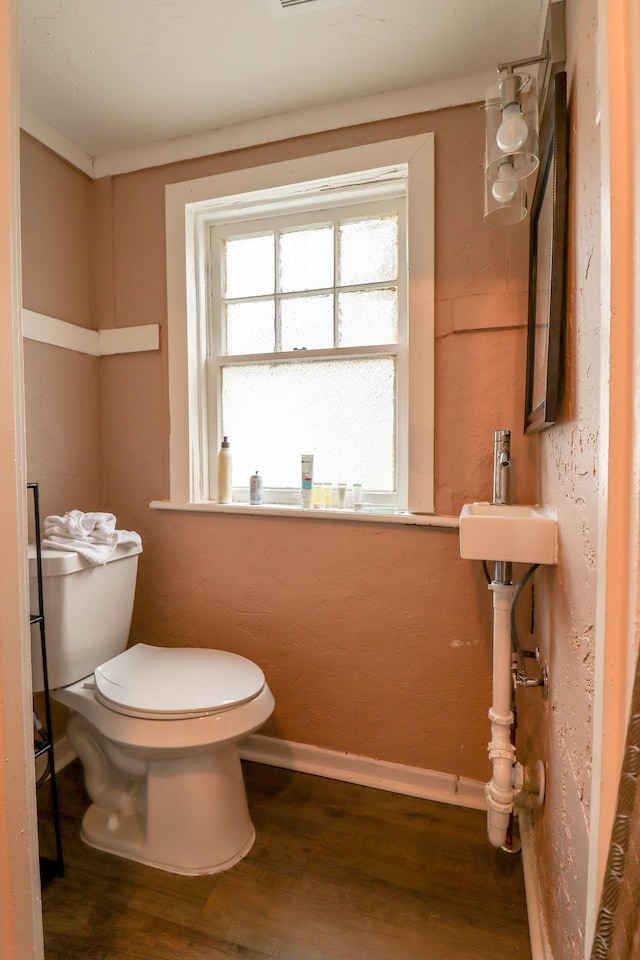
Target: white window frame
190 208
371 200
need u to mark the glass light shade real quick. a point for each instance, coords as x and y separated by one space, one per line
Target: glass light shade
504 213
511 130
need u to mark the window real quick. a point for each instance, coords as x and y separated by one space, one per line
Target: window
301 325
304 345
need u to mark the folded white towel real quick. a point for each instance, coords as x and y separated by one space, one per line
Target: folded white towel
92 535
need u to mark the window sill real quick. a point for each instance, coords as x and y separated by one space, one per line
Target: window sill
277 510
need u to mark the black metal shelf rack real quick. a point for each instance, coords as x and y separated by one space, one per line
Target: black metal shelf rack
43 741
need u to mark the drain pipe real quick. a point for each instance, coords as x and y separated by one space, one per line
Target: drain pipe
509 778
502 753
500 790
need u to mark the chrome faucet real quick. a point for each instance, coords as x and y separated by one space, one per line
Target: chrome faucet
501 466
501 477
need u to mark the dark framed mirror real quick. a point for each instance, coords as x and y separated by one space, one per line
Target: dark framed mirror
547 266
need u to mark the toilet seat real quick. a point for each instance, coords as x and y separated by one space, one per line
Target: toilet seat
174 683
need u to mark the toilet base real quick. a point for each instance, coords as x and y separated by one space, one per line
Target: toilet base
184 813
126 842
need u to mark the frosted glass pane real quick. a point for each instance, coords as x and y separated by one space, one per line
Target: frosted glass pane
250 327
306 259
342 411
249 269
306 322
368 317
368 251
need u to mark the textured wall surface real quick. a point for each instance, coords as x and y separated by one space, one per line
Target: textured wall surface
567 470
374 638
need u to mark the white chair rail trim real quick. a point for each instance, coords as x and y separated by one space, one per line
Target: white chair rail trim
95 343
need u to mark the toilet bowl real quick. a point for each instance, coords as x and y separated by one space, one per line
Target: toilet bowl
156 728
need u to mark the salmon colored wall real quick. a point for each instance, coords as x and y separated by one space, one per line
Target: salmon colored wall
62 388
64 436
56 215
374 638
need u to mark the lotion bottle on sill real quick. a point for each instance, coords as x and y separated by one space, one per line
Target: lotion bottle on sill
224 472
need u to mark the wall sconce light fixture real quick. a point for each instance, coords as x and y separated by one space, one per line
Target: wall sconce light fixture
511 142
511 133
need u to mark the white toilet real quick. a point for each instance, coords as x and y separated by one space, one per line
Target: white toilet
156 728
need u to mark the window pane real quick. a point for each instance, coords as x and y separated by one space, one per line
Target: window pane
306 322
368 251
368 317
249 266
342 411
306 259
250 327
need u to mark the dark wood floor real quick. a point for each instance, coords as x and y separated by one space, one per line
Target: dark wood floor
338 872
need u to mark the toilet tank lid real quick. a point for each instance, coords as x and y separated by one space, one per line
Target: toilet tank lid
57 563
176 682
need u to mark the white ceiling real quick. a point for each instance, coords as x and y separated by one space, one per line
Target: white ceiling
113 75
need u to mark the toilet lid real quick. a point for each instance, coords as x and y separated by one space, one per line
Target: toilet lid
165 683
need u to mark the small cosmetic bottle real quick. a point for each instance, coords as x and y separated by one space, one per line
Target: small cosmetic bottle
255 489
307 479
224 472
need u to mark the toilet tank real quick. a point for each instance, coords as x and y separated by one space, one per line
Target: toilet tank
87 612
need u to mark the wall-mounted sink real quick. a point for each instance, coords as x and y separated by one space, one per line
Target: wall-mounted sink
516 534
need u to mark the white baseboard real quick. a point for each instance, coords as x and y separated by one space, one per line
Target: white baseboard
63 753
411 781
540 946
394 777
